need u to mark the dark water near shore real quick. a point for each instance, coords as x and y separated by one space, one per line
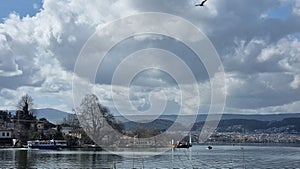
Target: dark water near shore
196 157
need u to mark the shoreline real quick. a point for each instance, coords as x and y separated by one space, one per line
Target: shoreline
250 144
195 144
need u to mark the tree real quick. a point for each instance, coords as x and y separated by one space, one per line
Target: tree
25 118
24 112
71 120
97 121
5 116
25 104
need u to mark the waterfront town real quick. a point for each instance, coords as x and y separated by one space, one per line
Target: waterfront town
16 129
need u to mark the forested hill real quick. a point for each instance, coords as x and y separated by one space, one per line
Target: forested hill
288 125
202 117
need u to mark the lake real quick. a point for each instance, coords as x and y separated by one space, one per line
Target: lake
195 157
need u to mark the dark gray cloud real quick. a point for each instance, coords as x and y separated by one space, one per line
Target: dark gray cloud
114 58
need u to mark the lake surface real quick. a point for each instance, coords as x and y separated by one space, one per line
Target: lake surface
195 157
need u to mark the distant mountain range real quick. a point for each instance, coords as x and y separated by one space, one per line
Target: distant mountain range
287 125
56 116
52 115
201 117
159 124
270 123
280 123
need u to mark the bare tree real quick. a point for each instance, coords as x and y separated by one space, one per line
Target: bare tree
71 120
24 118
97 121
25 104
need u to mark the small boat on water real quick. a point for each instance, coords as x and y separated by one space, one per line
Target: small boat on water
47 144
183 145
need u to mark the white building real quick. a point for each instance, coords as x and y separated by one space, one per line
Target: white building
5 133
6 137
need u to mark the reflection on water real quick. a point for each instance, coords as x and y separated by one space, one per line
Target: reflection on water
23 158
196 157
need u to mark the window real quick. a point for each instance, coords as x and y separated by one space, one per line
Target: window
3 134
7 134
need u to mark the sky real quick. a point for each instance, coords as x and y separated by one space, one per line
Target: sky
22 8
258 44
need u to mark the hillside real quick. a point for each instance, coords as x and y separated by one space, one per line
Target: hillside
229 122
288 125
159 124
52 115
202 117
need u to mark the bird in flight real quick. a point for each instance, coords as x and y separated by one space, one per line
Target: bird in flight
201 4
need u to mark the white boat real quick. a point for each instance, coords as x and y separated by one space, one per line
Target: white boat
46 144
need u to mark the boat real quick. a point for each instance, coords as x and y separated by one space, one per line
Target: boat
183 145
46 144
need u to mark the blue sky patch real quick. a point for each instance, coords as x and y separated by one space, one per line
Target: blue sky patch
21 7
282 12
